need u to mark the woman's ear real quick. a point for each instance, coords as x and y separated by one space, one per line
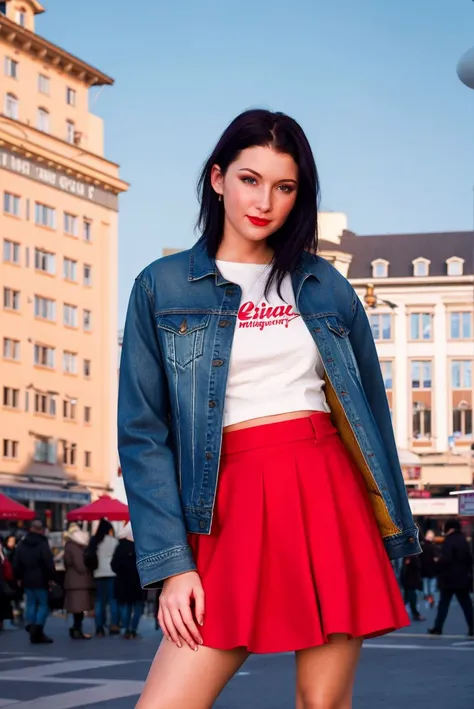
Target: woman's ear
217 179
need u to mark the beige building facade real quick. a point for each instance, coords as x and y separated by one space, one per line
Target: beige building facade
58 274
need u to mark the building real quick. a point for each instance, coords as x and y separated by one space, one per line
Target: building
58 315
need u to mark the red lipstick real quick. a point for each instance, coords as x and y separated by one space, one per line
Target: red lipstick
256 221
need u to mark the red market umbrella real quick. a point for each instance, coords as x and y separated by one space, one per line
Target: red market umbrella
105 506
9 509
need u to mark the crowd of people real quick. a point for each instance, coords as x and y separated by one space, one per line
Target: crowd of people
100 577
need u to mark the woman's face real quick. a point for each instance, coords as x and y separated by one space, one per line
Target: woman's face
11 542
259 191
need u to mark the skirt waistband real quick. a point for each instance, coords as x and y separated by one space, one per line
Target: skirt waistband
315 426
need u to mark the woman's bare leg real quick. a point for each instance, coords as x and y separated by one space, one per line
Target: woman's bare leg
180 678
325 675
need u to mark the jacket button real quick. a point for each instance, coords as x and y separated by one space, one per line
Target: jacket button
411 540
230 291
212 404
202 524
208 456
183 327
224 323
217 363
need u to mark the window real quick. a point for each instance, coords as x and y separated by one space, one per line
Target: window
10 448
11 299
70 96
421 374
44 356
87 459
20 18
45 261
381 325
87 320
380 268
87 367
421 421
11 397
69 409
421 326
45 216
11 349
70 315
69 453
45 404
12 107
11 251
462 420
11 204
461 374
43 84
71 224
45 451
421 267
70 131
87 275
69 362
87 414
87 230
42 120
461 326
454 266
11 68
70 269
386 368
45 308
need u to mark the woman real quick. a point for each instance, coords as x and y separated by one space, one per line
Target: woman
247 362
78 581
103 544
9 550
430 567
6 592
128 590
411 584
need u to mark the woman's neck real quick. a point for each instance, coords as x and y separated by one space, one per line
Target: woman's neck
238 250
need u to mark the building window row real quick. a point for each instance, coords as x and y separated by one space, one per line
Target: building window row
45 451
45 309
421 326
421 267
43 355
45 215
44 403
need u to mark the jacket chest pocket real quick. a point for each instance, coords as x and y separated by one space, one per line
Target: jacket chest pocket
182 336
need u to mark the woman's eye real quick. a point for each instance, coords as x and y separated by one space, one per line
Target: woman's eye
287 189
249 180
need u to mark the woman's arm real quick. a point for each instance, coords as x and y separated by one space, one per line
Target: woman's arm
147 461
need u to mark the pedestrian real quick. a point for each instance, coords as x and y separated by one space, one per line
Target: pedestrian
429 567
128 591
34 567
6 592
455 577
255 438
411 584
101 547
78 580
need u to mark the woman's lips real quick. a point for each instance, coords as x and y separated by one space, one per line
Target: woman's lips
256 221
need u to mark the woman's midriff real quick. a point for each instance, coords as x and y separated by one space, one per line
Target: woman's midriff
267 419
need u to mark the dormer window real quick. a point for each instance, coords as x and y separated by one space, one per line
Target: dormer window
421 267
21 18
454 266
380 268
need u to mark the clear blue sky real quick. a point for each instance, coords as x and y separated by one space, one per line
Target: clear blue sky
372 82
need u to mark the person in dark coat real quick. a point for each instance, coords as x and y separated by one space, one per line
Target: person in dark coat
411 583
454 577
128 591
6 593
429 566
34 566
78 580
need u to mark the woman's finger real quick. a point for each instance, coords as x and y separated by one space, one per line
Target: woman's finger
199 604
170 627
188 620
161 623
181 628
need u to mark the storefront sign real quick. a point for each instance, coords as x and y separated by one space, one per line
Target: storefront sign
46 495
51 177
466 505
434 506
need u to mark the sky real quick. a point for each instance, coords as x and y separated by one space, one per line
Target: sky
372 82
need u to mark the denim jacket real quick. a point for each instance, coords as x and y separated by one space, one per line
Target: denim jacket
174 366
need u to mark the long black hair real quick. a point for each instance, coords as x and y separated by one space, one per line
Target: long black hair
103 530
300 231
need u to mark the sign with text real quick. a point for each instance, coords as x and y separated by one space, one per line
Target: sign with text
53 178
466 504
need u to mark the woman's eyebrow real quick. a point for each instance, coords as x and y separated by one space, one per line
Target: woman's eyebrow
254 172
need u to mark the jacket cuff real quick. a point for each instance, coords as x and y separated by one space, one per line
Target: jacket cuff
405 544
155 568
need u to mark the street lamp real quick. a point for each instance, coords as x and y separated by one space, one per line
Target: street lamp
371 300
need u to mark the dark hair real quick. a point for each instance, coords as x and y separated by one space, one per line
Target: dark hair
300 231
453 524
102 531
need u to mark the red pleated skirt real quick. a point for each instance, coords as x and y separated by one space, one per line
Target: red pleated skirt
294 553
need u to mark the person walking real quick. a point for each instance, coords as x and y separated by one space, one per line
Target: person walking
255 439
429 567
128 591
78 580
102 546
412 583
34 567
6 591
455 577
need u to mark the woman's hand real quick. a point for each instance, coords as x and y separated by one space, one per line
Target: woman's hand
175 615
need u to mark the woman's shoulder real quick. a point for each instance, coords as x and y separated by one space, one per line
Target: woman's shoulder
170 266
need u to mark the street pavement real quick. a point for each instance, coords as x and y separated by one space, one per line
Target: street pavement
402 670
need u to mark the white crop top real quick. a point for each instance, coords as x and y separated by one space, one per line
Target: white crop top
275 366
